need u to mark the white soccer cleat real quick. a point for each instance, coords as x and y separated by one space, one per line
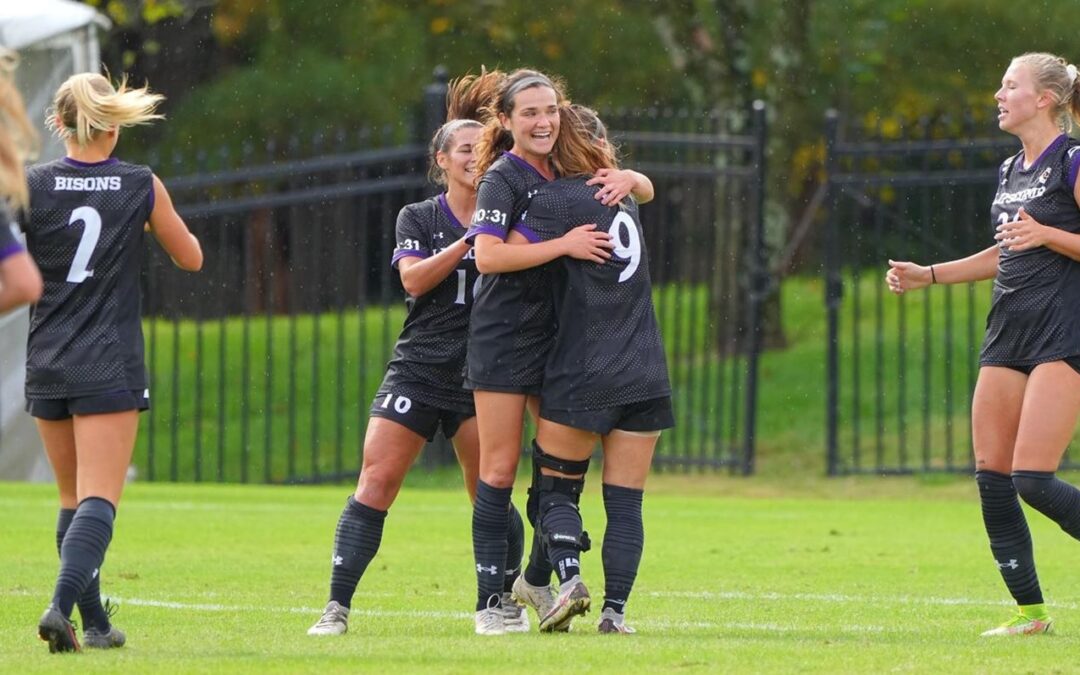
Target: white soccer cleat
334 620
490 622
540 598
1022 625
515 617
613 622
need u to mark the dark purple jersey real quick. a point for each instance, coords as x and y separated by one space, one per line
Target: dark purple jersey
1035 311
85 232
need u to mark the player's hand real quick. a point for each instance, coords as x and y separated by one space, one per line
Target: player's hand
1023 233
617 184
585 243
907 276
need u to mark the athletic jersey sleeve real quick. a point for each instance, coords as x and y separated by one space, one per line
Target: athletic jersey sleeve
9 235
494 207
412 236
1074 166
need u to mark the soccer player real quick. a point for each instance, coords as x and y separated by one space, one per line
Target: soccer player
1027 396
605 379
512 321
85 376
20 281
422 390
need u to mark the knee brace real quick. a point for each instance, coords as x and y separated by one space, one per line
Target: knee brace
542 459
559 518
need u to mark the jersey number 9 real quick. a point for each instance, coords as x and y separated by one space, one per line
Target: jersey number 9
631 248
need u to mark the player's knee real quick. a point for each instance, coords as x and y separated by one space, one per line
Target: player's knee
378 487
1033 486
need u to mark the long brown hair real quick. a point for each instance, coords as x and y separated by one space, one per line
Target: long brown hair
18 140
494 139
579 151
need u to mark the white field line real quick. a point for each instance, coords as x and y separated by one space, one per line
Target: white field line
840 598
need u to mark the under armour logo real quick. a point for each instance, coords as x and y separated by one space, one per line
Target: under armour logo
490 570
338 561
94 576
438 235
1012 564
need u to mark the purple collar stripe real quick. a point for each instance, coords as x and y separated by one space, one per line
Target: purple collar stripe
1074 170
83 165
522 163
524 231
6 253
483 229
1045 152
445 206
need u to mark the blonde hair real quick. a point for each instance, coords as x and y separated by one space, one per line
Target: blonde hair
18 140
1059 77
501 90
87 104
578 152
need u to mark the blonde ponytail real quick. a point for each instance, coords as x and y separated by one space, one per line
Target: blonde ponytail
87 104
18 140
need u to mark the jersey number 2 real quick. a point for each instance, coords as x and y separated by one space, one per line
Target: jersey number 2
91 220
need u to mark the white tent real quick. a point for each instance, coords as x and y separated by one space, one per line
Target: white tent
55 39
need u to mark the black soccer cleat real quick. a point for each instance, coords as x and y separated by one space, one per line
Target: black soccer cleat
57 631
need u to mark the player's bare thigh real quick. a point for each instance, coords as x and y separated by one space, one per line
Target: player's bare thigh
564 442
58 436
499 417
628 456
467 448
103 445
390 449
995 417
1048 417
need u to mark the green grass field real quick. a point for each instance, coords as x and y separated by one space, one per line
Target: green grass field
738 576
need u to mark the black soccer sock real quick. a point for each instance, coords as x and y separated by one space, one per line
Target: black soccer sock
538 571
83 551
356 541
1053 497
624 539
515 548
560 522
490 523
1010 539
90 608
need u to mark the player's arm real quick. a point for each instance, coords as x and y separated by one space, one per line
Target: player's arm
1027 233
20 280
420 275
172 232
495 256
618 183
908 276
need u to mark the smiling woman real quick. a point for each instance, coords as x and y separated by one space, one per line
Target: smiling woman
1027 397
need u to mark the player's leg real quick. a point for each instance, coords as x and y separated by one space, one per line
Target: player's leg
390 448
466 440
1047 422
563 453
995 417
627 459
103 446
533 587
58 437
499 417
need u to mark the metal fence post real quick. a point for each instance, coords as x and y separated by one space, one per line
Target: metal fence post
758 286
834 287
435 103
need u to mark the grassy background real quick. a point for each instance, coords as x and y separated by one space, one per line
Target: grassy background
738 576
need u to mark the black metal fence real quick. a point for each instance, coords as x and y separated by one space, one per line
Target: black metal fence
263 365
901 369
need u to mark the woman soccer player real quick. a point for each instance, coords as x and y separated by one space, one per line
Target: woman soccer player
512 321
85 376
1027 396
422 389
605 379
20 281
